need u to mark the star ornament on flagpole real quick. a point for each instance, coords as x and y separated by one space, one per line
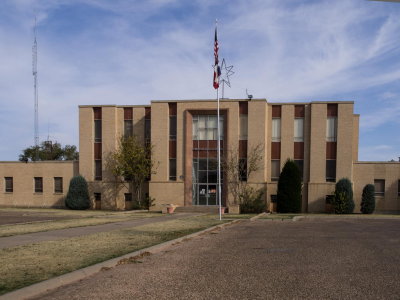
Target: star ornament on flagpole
226 72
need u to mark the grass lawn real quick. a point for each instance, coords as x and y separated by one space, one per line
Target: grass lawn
24 265
90 220
64 212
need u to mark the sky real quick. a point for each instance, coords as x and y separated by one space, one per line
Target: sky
130 52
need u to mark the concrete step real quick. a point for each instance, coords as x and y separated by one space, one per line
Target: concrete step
198 209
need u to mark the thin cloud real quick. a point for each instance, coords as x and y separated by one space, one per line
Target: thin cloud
142 50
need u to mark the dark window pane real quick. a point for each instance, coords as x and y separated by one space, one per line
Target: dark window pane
172 169
331 170
58 185
212 176
300 165
98 170
128 196
97 196
203 164
128 128
97 130
398 187
379 187
243 169
172 127
147 129
275 169
38 185
9 184
202 176
212 164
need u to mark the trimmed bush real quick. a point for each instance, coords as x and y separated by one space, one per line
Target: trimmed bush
252 201
343 200
78 195
289 189
368 199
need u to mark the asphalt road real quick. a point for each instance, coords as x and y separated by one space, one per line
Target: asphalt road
309 259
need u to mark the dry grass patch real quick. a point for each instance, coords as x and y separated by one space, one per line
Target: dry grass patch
9 230
25 265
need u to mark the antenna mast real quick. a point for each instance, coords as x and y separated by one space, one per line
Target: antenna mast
35 85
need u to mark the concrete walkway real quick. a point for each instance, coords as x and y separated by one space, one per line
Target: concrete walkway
29 238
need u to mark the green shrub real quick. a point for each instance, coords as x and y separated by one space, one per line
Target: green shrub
78 195
343 198
368 199
252 201
289 189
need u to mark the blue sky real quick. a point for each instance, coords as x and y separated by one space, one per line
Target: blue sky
132 52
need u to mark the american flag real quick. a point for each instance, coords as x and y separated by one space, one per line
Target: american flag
217 70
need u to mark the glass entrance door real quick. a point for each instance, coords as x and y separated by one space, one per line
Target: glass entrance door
205 165
205 194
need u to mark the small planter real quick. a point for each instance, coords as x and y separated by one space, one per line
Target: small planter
234 209
222 210
170 209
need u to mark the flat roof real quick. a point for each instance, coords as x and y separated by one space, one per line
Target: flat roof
222 100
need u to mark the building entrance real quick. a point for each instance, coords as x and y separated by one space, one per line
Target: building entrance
205 164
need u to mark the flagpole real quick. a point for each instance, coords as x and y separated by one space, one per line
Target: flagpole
219 159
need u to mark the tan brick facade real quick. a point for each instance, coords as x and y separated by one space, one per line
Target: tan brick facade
179 191
23 191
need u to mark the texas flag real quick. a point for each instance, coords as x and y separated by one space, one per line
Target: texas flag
217 70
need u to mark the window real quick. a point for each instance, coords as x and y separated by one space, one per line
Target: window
379 187
275 169
205 127
398 188
97 170
243 127
128 197
243 169
97 131
172 128
38 184
299 130
58 185
300 163
9 184
276 129
128 128
331 170
147 124
331 129
172 169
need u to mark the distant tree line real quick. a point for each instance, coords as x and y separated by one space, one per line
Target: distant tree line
49 150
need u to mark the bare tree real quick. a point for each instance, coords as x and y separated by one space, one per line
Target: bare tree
238 170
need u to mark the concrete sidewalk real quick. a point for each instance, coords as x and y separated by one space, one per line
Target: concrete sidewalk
29 238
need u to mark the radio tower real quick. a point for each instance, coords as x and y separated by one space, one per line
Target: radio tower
35 85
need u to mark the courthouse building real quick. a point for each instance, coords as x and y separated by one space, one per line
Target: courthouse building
321 137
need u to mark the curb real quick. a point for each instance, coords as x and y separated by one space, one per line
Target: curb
53 283
258 216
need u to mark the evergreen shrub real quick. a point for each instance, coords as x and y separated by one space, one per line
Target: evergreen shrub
289 189
368 199
343 199
78 194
